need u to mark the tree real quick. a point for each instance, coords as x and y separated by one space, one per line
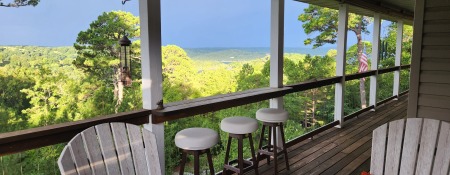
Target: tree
325 21
98 48
19 3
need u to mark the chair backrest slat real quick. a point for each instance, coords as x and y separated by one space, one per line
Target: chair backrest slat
378 150
111 148
394 147
107 146
66 164
93 151
442 160
411 144
424 145
151 152
137 148
123 148
79 155
427 146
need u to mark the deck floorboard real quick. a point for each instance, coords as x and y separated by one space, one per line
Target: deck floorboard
339 150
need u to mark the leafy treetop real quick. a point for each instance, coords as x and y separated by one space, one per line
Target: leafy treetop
19 3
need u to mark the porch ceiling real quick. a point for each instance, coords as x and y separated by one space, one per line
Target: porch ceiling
389 9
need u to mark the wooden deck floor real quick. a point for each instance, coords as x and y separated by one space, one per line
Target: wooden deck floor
339 151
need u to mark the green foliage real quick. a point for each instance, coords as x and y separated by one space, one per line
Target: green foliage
19 3
325 21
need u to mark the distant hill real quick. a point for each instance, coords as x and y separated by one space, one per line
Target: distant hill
241 54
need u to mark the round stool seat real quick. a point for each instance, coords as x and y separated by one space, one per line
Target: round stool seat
272 115
239 125
196 138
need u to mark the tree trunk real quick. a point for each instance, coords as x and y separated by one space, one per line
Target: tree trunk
313 107
118 90
362 87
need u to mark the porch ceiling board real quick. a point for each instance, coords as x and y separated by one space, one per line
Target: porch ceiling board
392 10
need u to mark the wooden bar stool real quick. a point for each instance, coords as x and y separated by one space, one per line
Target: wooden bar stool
240 128
196 141
272 118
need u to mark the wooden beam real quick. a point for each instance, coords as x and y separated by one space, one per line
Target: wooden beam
276 48
340 64
375 59
151 63
398 57
18 141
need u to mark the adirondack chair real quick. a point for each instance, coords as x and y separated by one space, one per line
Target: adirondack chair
411 146
111 148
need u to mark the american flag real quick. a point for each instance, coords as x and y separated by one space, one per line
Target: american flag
363 63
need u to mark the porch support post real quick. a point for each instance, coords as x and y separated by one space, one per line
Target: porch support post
340 64
151 63
276 53
375 59
398 57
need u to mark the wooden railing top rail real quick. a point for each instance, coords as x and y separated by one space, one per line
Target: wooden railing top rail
33 138
17 141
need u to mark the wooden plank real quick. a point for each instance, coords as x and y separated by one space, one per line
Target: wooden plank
436 101
353 165
435 64
33 138
93 151
182 111
437 13
435 77
436 39
394 147
378 150
336 163
123 148
434 113
427 146
79 155
151 153
441 26
435 52
442 159
416 57
107 147
437 3
137 149
435 89
65 162
410 145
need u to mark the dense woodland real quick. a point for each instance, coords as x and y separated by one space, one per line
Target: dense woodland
47 85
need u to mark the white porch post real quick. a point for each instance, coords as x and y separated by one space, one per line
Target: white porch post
151 62
340 64
375 59
398 57
276 49
276 53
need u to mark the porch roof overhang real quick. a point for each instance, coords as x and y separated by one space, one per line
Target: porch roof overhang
392 10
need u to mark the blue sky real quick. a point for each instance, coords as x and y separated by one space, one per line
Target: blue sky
187 23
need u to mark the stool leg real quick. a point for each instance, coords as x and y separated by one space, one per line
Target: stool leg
211 167
269 144
255 160
240 155
261 138
283 139
275 150
227 155
183 162
196 163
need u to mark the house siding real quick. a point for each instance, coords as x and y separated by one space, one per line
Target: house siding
431 98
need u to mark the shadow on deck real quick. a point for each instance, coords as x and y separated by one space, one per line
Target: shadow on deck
339 150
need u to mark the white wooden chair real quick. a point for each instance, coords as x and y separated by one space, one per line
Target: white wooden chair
111 148
411 146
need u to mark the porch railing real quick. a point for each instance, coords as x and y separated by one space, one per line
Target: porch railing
18 141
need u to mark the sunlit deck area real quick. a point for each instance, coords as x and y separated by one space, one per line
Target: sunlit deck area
339 151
